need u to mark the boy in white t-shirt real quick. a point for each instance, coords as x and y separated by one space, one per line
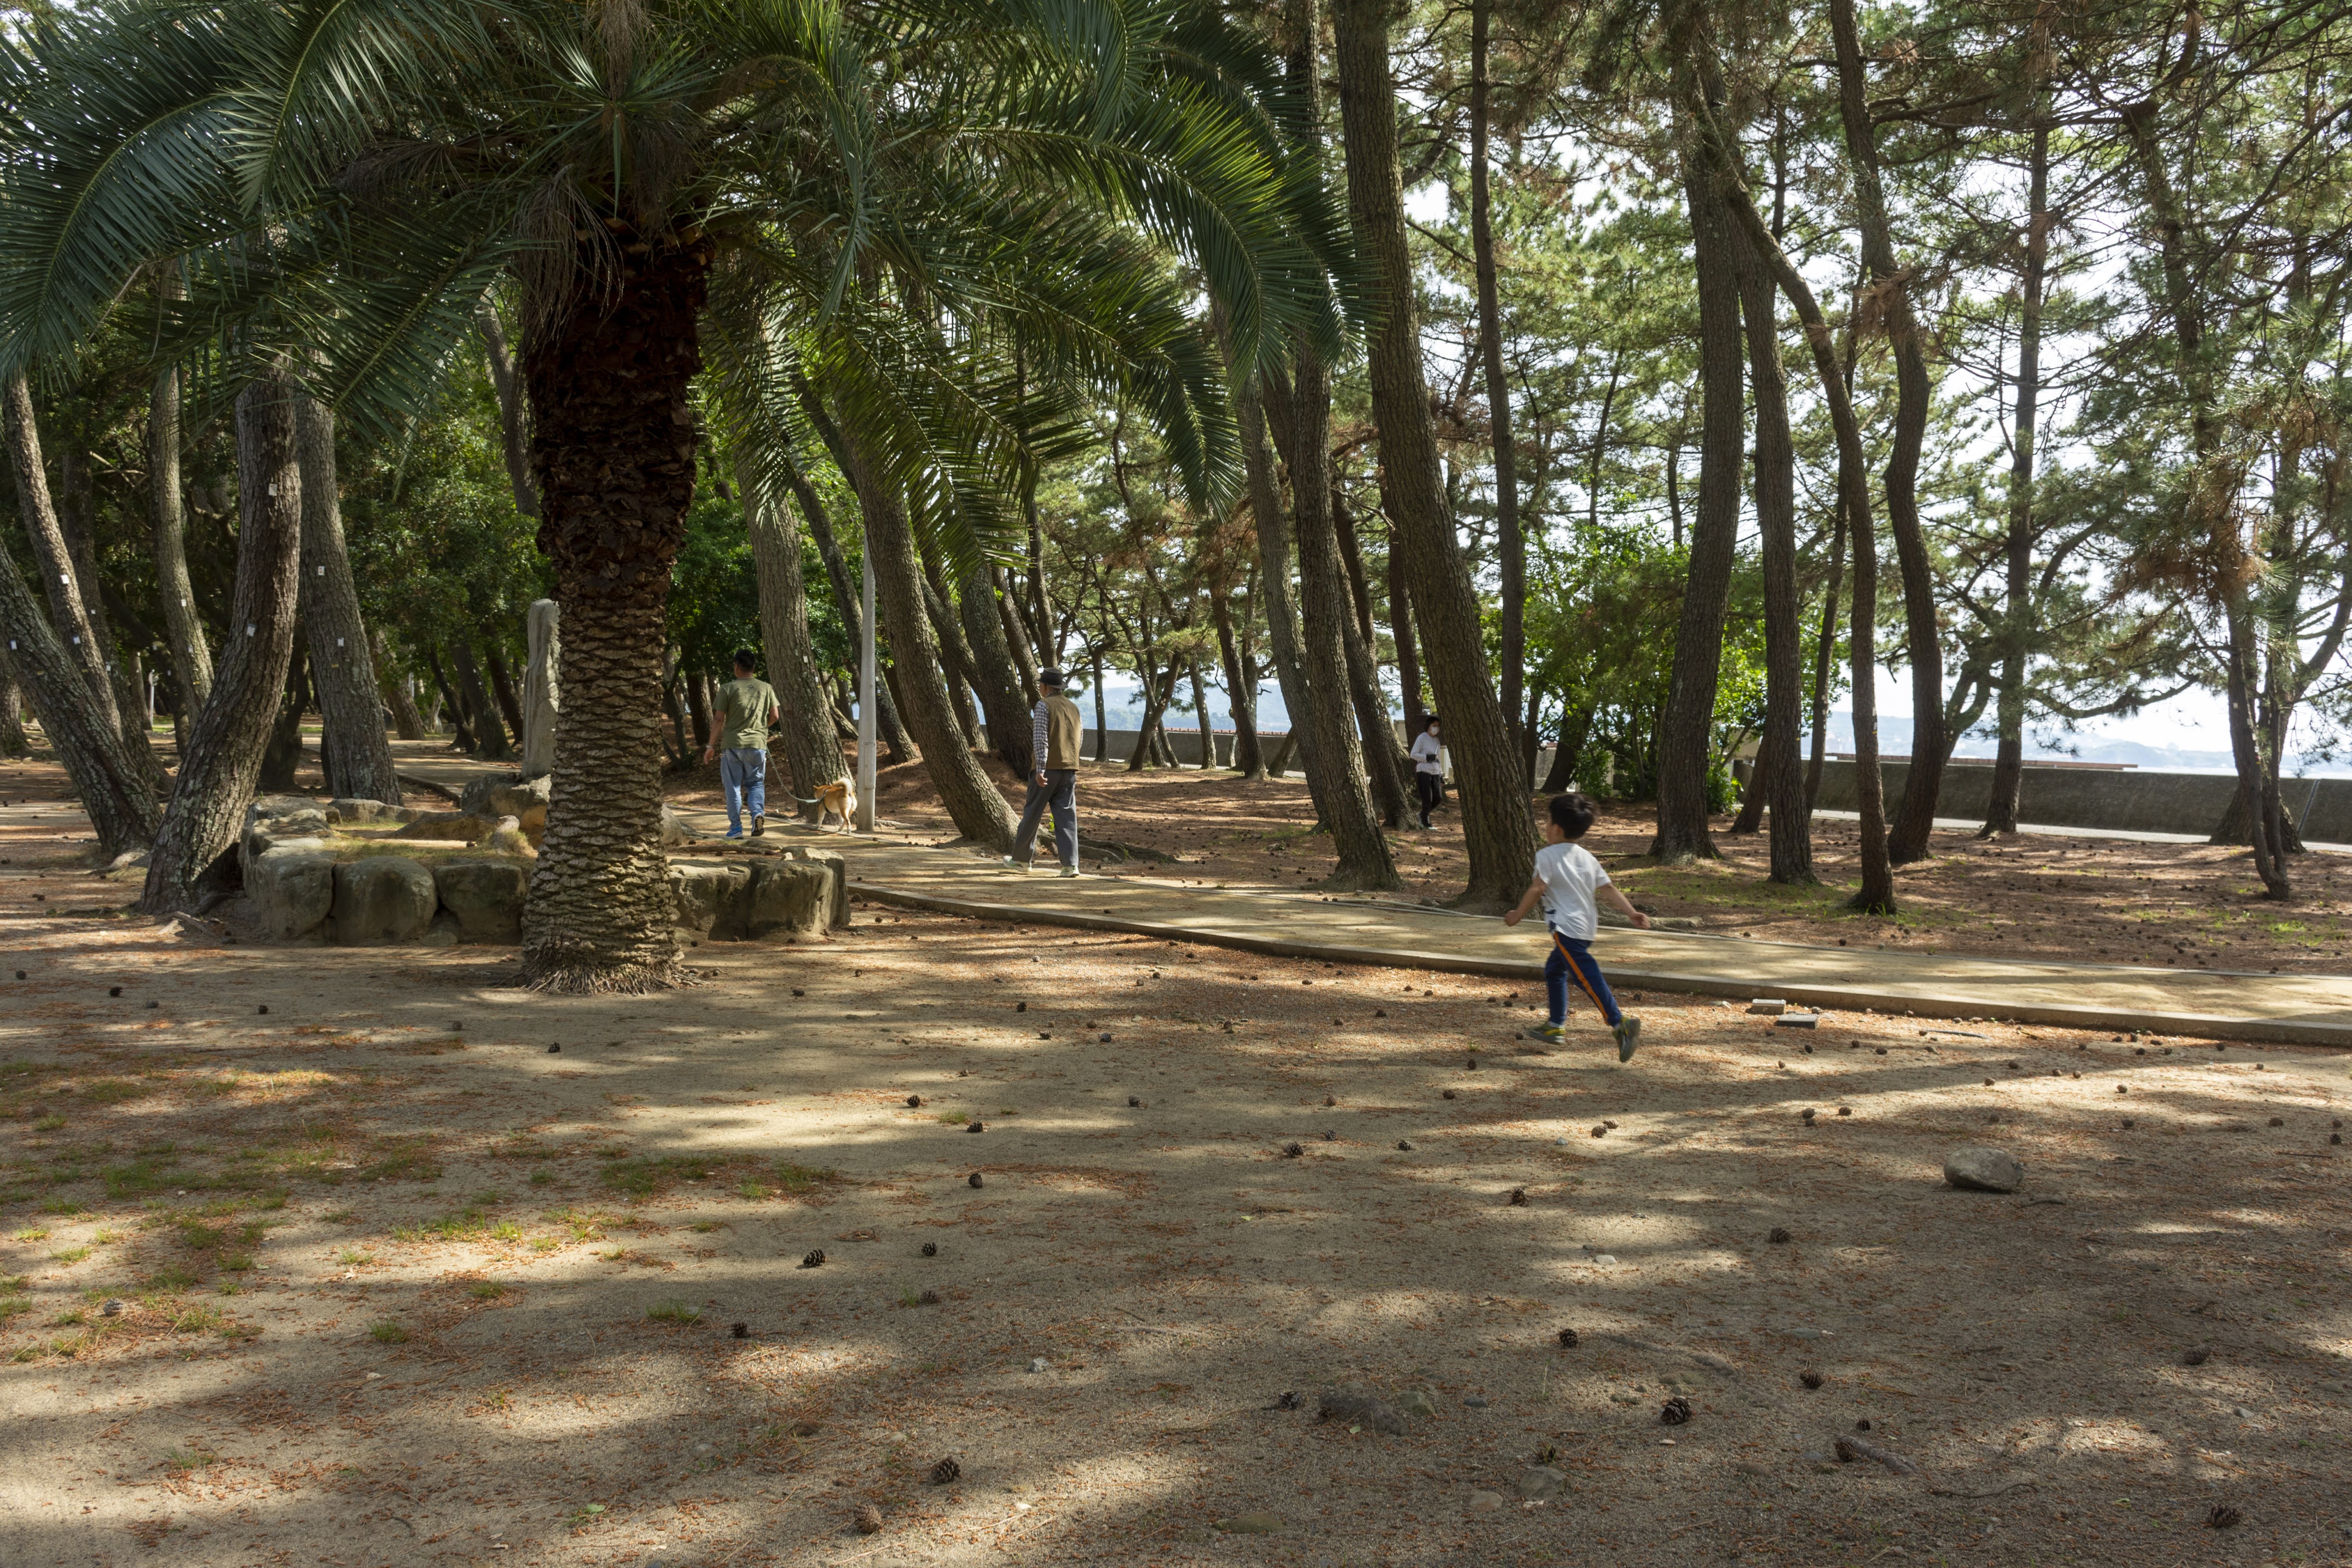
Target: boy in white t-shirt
1568 882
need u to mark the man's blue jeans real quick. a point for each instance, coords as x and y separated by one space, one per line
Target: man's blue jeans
743 772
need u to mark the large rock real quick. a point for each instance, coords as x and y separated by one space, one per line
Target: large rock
383 899
496 797
353 809
1361 1407
446 827
486 895
674 830
292 888
708 891
1981 1168
837 910
786 897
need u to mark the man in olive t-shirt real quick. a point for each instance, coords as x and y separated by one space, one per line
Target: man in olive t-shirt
748 710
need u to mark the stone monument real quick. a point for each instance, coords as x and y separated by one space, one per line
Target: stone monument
542 694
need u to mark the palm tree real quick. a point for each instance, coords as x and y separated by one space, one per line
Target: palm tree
874 184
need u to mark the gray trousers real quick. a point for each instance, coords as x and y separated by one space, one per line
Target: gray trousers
1060 792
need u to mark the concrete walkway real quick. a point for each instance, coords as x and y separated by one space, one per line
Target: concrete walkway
2286 1009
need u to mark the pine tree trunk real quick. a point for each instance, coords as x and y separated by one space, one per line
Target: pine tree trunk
811 751
490 735
1915 821
343 664
406 722
192 660
1825 657
462 731
1326 619
222 763
1686 727
1102 717
121 812
1385 758
68 608
612 453
972 797
889 727
281 754
2017 627
1249 756
514 409
1779 780
1200 712
1276 562
1510 537
1494 816
502 688
1018 637
1575 726
1416 710
74 519
13 741
994 675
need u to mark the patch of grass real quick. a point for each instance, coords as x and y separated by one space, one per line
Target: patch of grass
31 1232
113 1091
801 1178
138 1178
26 1352
544 1243
705 1227
542 1177
107 1237
953 1118
49 1124
198 1320
198 1238
340 1216
909 1296
13 1306
753 1190
66 1320
61 1205
71 1255
352 1257
506 1230
387 1332
185 1459
171 1279
674 1312
237 1262
486 1290
410 1163
641 1178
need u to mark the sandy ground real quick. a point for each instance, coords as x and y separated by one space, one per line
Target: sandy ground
401 1284
2033 896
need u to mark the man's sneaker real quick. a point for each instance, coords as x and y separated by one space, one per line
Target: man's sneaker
1012 865
758 825
1550 1033
1069 870
1629 1035
734 833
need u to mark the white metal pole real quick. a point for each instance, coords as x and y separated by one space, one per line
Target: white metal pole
866 720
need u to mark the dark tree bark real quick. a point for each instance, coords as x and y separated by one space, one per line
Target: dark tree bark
281 754
514 410
343 664
1384 760
74 519
1685 727
191 658
502 688
2017 619
1824 653
406 722
108 787
613 454
1575 727
462 738
1750 818
1276 561
1200 712
994 675
68 608
1510 538
1913 390
13 741
1780 780
1102 720
223 761
1241 690
1156 690
1416 710
811 751
1017 635
971 798
490 735
846 600
1494 816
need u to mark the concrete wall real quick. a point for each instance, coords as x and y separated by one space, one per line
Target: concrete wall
2130 800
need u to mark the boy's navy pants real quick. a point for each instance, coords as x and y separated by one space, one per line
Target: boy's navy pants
1571 955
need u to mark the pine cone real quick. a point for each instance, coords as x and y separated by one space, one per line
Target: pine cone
1293 1150
1547 1455
2223 1517
977 1127
914 1099
1807 1114
1845 1111
931 1249
945 1472
1568 1339
1601 1132
1779 1235
2278 1120
1674 1412
740 1330
929 1299
1329 1136
2197 1357
1133 1103
1810 1379
1289 1400
1518 1197
1405 1145
1449 1094
975 1180
1470 1065
868 1518
1330 1100
813 1259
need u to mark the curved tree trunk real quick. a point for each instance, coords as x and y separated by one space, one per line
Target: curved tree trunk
612 452
1511 539
994 676
1283 634
407 722
1494 816
351 738
121 672
192 660
971 798
490 735
223 761
1385 758
502 688
121 812
13 741
281 754
1779 778
1686 726
2017 616
846 597
1241 690
810 749
514 409
68 608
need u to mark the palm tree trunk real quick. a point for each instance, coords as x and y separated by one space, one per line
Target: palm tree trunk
1780 781
343 665
1685 728
223 761
1510 538
811 751
613 457
973 799
68 608
1494 816
1241 690
406 722
2017 627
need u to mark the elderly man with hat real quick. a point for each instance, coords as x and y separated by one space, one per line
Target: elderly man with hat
1057 735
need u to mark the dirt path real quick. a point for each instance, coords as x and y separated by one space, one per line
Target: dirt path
2069 898
401 1285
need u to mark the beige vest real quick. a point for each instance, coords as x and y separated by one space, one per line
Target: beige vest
1065 734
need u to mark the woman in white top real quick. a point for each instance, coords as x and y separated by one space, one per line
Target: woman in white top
1429 769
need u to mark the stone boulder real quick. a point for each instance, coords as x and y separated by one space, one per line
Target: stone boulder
383 899
708 892
292 888
786 897
674 830
1981 1168
484 895
351 809
837 905
446 827
525 800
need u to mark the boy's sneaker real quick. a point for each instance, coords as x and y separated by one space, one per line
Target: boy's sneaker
759 826
1629 1035
1550 1033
